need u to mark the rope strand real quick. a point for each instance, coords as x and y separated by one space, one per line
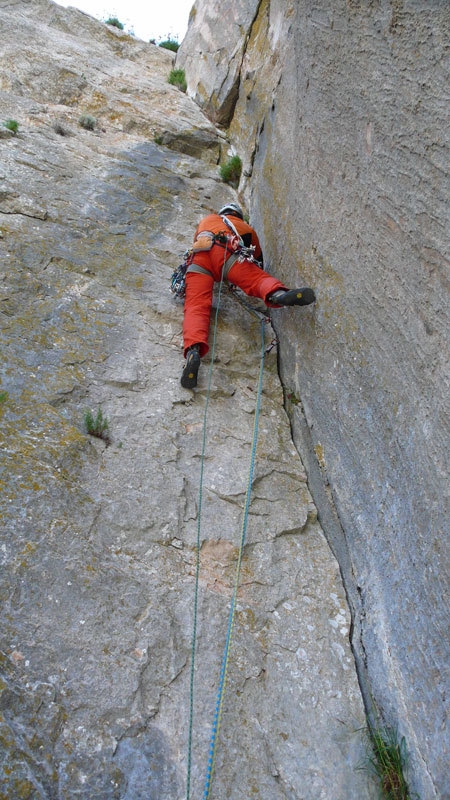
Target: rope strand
232 612
198 547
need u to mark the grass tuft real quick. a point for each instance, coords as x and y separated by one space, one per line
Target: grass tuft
230 172
114 22
97 426
177 78
60 129
387 761
12 125
87 122
170 44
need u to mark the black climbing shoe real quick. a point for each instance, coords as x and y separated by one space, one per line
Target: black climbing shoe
190 371
292 297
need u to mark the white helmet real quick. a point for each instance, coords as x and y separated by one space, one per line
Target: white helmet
233 209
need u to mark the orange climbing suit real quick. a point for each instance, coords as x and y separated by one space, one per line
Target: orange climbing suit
247 275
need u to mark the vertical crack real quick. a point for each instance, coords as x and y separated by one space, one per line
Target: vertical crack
328 516
224 114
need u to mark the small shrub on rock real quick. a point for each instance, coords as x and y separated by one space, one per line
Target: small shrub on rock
97 426
230 172
170 44
60 129
12 125
387 762
177 78
114 22
87 122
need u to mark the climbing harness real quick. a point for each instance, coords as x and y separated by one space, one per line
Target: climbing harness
263 318
236 244
203 243
235 250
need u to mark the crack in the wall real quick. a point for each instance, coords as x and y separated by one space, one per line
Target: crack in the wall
41 215
334 532
224 114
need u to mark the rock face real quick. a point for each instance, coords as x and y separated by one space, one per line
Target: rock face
213 64
342 125
99 538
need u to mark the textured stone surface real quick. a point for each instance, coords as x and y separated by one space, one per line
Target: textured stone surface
212 53
95 70
98 542
342 123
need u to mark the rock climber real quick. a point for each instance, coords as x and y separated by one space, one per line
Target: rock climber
217 253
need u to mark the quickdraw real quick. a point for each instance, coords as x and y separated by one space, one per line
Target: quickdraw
178 280
235 244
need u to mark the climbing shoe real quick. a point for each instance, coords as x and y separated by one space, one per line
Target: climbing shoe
190 371
292 297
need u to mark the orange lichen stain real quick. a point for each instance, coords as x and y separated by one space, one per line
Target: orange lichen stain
28 550
247 618
23 789
318 449
17 657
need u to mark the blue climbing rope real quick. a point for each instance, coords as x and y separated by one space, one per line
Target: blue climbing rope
263 318
232 613
198 547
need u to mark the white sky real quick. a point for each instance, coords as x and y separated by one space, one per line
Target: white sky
147 19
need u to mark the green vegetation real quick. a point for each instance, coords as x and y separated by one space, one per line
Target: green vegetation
114 22
158 139
3 397
178 78
97 426
293 398
12 125
60 129
386 760
87 122
170 44
230 172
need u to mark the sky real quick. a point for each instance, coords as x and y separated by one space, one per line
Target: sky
147 19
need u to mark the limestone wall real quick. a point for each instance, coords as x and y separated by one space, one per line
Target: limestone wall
99 540
342 126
